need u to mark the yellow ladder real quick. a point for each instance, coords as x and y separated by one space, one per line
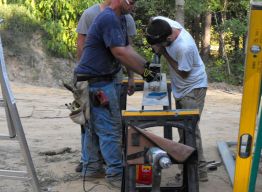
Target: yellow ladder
250 99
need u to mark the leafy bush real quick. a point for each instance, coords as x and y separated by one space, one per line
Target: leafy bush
19 25
216 70
18 19
59 20
237 61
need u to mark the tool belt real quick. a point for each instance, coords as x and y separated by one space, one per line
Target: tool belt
80 107
92 80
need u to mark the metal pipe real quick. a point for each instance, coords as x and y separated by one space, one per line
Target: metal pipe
159 160
227 159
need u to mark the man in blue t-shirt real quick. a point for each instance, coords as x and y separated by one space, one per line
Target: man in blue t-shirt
83 25
106 46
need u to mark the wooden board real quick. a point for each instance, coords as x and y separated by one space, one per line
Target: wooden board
160 87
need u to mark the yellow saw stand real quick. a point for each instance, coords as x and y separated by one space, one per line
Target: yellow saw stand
167 118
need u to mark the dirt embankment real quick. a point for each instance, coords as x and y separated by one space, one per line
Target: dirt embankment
27 61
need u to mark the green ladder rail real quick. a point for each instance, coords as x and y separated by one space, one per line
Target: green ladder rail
257 153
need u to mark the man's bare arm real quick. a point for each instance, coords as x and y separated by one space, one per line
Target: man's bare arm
80 45
130 73
174 65
129 58
171 61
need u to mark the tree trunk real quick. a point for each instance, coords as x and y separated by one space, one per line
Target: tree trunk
180 14
222 35
221 32
196 30
205 48
221 50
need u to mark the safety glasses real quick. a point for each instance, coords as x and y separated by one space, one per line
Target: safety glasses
165 43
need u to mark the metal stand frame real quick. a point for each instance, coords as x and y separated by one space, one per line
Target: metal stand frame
16 131
181 119
228 160
168 118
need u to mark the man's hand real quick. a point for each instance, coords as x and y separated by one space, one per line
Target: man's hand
159 49
131 86
150 76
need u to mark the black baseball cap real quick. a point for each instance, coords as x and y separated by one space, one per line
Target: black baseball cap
157 31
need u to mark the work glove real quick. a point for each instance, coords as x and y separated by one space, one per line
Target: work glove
152 67
150 75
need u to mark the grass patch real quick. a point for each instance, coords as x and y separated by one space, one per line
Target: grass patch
18 26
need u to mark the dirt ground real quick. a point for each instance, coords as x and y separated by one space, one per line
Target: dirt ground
47 127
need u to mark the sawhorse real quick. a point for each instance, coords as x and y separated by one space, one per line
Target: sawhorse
181 119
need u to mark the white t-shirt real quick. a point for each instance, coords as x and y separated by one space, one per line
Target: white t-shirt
184 51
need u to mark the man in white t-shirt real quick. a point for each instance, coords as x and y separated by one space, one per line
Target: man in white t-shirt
187 71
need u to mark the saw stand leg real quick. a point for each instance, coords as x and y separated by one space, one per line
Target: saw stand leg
187 122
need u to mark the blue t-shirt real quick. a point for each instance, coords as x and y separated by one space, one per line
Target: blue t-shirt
107 30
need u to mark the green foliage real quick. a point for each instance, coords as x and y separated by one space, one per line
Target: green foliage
140 42
18 20
149 8
236 26
18 26
237 61
216 70
195 7
58 20
14 2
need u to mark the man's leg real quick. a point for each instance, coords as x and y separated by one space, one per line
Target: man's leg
195 100
92 160
118 84
108 128
79 167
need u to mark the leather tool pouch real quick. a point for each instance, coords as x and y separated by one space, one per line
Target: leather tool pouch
102 98
81 113
99 98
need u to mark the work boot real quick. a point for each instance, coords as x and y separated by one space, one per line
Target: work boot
79 167
202 175
115 182
93 175
202 171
